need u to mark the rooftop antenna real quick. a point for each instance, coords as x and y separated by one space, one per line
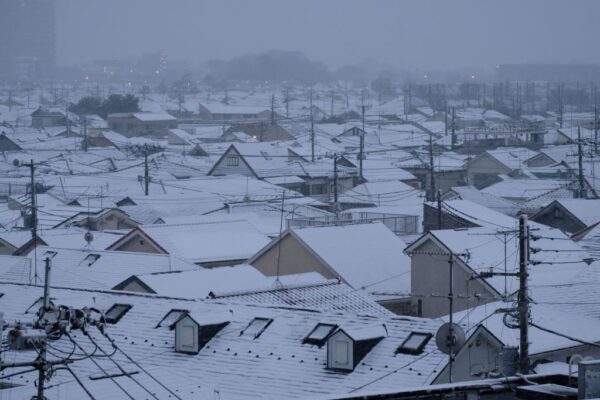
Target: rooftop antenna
277 281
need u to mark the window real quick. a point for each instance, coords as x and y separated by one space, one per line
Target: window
171 318
90 259
116 312
414 343
256 327
340 352
319 188
186 336
558 213
233 161
319 334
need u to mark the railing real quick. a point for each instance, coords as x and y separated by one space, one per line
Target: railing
400 224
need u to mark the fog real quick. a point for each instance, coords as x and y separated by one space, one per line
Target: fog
409 34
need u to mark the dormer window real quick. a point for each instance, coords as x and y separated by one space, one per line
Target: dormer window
414 343
256 327
171 318
90 259
192 332
318 336
116 312
347 347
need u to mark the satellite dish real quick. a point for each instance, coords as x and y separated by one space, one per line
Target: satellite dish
17 162
443 339
89 236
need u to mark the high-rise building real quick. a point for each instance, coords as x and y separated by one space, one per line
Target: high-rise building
27 39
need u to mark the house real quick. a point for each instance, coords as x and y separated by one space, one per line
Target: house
238 351
484 169
208 244
485 199
267 161
460 214
142 124
343 252
474 250
448 167
85 268
569 215
101 219
47 117
220 112
259 131
6 144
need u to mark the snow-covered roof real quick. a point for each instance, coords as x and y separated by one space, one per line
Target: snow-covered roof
200 242
91 269
361 254
275 365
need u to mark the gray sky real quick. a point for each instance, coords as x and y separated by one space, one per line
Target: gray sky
410 33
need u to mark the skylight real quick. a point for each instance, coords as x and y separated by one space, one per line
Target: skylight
414 343
171 317
266 155
256 327
91 258
319 334
116 312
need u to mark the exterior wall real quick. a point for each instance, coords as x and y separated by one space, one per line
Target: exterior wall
429 283
444 180
131 126
134 287
295 258
556 216
430 220
44 121
484 170
6 249
137 244
479 357
222 167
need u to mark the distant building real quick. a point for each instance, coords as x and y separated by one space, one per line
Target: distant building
548 72
142 124
44 118
27 39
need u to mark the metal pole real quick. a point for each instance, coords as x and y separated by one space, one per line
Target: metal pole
33 200
439 207
581 190
335 186
312 130
451 318
146 176
523 301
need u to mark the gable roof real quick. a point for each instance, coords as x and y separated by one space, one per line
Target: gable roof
359 254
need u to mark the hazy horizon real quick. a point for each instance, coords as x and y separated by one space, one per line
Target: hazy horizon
409 34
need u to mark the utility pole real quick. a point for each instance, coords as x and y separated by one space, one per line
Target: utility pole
272 109
453 129
146 172
41 361
312 130
560 104
362 140
446 118
335 187
431 191
85 136
331 109
439 209
287 102
523 300
581 191
522 308
595 126
451 337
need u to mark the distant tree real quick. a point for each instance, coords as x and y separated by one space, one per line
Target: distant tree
115 103
87 105
383 86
